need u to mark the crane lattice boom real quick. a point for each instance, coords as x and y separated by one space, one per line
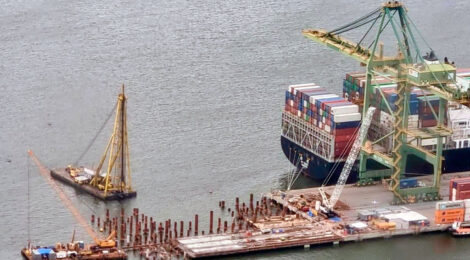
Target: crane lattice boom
356 148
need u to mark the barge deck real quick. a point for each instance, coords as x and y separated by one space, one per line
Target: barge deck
62 176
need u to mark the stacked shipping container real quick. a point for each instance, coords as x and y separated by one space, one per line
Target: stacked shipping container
326 111
459 189
458 206
448 212
420 113
463 78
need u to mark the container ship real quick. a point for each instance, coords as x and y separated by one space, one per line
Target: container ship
318 126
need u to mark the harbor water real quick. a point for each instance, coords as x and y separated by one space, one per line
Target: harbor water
205 82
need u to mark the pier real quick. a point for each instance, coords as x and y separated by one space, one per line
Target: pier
273 222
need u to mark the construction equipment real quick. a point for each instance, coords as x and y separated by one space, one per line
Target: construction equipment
108 242
356 148
409 68
118 173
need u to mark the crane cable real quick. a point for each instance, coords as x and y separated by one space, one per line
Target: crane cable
341 157
96 135
29 206
354 26
344 28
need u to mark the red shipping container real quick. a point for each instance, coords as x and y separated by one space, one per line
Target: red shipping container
309 92
357 79
324 104
353 75
287 107
343 144
462 186
327 121
428 122
459 181
343 138
463 195
344 152
345 131
427 109
293 110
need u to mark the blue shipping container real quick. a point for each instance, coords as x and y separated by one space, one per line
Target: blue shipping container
408 183
318 102
345 124
414 107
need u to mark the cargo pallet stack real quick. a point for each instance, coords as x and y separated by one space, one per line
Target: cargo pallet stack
328 112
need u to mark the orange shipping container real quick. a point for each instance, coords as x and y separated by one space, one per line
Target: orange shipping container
448 219
448 216
449 212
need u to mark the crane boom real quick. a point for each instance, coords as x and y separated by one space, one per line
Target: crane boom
103 243
65 200
356 148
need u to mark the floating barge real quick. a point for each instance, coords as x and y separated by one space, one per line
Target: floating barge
63 176
114 182
115 255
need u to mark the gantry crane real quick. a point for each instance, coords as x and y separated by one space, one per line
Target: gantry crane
118 173
408 69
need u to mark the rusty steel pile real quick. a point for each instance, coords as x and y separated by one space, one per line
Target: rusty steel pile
148 237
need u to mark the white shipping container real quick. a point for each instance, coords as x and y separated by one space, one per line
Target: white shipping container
374 82
466 218
327 128
431 141
292 87
463 82
304 88
339 110
443 205
467 204
412 125
347 117
314 98
383 86
291 102
299 114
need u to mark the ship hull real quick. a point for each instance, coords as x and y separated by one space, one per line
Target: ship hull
318 168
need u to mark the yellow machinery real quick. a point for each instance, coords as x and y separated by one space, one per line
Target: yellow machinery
118 173
108 242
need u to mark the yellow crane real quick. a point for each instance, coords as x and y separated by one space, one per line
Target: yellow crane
118 173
